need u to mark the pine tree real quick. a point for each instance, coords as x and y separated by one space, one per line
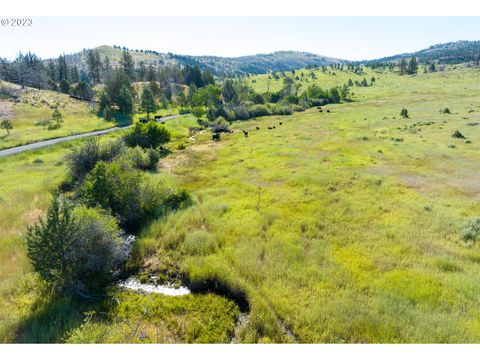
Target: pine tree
148 101
412 66
127 65
57 117
403 67
94 64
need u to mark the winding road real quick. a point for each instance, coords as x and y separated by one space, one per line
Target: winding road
45 143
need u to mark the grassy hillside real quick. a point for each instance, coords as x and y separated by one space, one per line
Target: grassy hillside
31 111
305 77
340 227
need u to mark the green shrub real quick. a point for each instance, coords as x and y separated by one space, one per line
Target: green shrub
458 135
259 110
281 110
404 113
141 159
150 135
241 112
82 159
75 250
126 193
114 189
219 125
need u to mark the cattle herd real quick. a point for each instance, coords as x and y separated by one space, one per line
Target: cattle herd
216 136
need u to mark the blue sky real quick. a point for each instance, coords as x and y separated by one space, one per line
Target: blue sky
352 38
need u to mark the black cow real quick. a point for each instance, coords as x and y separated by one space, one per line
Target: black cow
280 123
143 120
328 111
257 128
320 110
245 133
157 117
216 136
274 127
270 128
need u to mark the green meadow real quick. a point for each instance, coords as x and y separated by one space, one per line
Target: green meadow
339 227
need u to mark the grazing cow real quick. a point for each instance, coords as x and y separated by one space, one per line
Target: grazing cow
157 117
274 127
143 120
320 110
216 136
269 128
280 123
245 133
328 111
258 128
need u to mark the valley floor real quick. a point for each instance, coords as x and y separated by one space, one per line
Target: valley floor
340 227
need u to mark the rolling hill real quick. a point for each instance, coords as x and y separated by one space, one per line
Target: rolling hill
448 53
220 66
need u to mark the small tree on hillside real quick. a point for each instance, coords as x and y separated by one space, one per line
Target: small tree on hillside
403 67
57 118
7 125
412 66
148 101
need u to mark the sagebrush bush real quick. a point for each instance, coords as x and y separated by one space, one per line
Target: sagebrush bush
141 159
83 158
259 110
471 230
219 125
241 112
281 110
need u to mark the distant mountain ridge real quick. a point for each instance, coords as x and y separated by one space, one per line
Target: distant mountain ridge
449 53
220 66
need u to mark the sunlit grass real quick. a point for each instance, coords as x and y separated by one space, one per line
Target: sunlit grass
339 227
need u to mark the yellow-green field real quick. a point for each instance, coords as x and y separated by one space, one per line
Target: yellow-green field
340 227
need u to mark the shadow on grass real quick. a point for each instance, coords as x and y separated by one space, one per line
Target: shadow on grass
120 120
50 321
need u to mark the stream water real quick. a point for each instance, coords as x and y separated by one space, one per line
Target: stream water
169 290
